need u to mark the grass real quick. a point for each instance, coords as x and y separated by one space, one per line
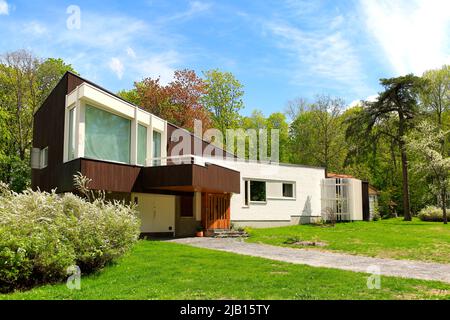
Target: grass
393 238
161 270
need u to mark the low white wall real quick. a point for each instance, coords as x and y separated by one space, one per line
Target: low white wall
276 210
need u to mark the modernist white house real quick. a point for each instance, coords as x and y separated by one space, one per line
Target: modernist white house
128 152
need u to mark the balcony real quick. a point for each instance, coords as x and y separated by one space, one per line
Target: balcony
182 173
189 173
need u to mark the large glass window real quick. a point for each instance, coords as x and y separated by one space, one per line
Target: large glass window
142 145
258 191
71 144
156 148
107 136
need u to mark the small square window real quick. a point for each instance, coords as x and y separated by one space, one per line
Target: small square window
44 158
258 191
288 190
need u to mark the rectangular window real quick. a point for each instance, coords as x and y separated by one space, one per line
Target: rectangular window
246 192
71 142
108 136
44 158
156 148
142 145
258 191
288 190
186 206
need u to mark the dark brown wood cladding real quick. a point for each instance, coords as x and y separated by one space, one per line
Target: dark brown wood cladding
214 177
48 131
191 177
110 176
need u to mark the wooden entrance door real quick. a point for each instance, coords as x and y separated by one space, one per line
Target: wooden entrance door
216 211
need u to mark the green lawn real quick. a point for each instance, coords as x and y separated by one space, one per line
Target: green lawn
161 270
393 238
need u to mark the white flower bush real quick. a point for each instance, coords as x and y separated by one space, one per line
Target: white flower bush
431 213
41 234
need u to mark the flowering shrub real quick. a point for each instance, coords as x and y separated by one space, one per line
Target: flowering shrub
431 213
42 234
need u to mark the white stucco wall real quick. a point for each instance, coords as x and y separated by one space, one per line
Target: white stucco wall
307 194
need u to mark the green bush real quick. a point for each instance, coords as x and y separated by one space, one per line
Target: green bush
431 213
42 234
376 213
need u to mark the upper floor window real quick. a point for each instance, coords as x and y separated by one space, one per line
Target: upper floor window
107 136
142 145
156 148
71 144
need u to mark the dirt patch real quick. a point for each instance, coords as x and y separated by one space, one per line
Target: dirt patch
279 272
310 243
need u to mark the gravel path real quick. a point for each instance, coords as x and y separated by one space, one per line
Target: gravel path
315 258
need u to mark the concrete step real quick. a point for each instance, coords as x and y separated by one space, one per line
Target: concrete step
228 234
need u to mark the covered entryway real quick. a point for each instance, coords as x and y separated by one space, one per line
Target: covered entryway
215 211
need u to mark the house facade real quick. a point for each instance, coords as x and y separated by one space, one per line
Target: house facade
130 154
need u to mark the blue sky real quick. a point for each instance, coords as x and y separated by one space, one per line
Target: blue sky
279 50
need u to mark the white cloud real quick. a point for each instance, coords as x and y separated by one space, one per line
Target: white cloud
371 98
414 35
195 7
319 53
107 43
4 7
131 53
34 28
105 32
157 65
117 67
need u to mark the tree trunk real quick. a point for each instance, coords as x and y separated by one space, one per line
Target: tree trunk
406 209
444 205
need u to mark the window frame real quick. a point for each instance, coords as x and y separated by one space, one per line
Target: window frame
156 163
71 134
246 193
147 128
43 158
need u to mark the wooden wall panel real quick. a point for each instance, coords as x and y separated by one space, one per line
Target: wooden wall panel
48 131
216 178
210 178
110 176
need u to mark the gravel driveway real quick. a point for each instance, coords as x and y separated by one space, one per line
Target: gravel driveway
315 258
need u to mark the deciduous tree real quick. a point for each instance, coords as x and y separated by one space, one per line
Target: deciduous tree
223 99
426 143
